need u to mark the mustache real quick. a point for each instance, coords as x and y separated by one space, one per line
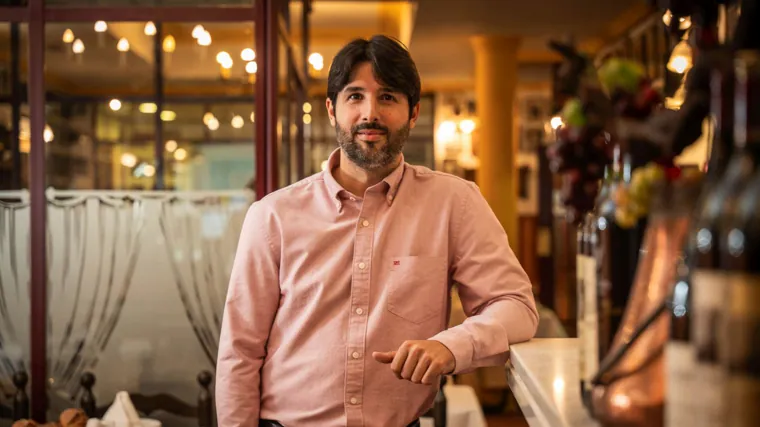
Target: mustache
368 126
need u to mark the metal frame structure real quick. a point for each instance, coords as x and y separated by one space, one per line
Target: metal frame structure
265 14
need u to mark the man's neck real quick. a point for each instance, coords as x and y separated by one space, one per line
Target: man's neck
357 180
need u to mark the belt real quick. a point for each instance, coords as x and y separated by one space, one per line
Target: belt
271 423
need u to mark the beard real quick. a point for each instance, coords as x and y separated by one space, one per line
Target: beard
374 157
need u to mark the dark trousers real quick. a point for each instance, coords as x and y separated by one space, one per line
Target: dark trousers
270 423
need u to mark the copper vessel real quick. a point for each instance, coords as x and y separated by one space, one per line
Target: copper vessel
630 387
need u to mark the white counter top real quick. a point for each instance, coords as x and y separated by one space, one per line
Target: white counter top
543 375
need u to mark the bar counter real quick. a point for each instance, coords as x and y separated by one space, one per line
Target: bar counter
543 375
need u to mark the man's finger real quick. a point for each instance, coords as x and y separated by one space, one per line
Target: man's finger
384 356
398 361
432 373
415 353
422 366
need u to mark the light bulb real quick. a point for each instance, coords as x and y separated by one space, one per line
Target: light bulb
251 67
556 122
149 170
148 108
101 26
222 57
205 39
237 122
169 44
213 124
180 154
128 160
150 29
680 59
307 119
316 58
78 46
171 145
168 115
198 31
68 36
467 126
123 45
208 117
247 54
253 117
48 134
115 105
306 107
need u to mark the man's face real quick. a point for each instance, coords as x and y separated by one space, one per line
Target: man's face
371 120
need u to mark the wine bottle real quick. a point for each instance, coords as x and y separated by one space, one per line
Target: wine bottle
586 370
739 337
688 401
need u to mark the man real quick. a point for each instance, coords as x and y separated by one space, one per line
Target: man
339 297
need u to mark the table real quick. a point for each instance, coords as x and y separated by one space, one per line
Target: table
543 375
462 408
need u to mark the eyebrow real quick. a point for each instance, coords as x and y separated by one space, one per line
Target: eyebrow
359 89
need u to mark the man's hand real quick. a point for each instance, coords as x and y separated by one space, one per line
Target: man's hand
420 362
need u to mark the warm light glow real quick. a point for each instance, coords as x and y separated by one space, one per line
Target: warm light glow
237 122
180 154
198 31
324 165
467 126
101 26
115 105
150 29
148 108
558 384
205 39
222 57
123 45
149 170
684 22
681 58
317 61
48 134
128 160
556 122
227 64
171 145
621 401
251 67
168 115
78 46
306 107
307 119
213 124
68 36
247 54
447 130
169 44
208 117
253 117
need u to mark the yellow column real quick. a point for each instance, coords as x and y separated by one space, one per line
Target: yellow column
495 85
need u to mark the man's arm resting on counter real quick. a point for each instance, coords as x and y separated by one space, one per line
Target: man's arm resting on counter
496 292
252 301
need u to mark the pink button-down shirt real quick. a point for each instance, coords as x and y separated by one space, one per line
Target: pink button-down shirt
322 278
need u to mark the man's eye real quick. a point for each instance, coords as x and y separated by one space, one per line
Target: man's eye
354 96
388 97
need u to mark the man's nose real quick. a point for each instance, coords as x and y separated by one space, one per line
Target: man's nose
369 113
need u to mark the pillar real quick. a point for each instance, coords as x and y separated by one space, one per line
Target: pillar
495 86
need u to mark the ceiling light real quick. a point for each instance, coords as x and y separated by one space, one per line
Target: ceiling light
123 45
306 107
148 108
101 26
307 119
253 117
180 154
78 46
169 44
251 67
48 134
208 117
149 170
237 122
171 145
128 160
68 36
247 54
223 57
150 29
168 115
205 39
115 105
198 31
213 124
467 126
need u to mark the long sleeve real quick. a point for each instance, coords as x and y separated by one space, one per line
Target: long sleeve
250 308
494 289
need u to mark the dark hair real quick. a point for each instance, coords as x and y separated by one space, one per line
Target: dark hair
391 64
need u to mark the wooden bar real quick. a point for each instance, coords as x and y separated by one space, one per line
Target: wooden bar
38 210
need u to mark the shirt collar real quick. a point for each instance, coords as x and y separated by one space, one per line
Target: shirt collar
392 181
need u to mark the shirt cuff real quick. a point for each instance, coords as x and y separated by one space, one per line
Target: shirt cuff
459 343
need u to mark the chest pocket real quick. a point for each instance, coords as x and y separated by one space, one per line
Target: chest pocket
417 287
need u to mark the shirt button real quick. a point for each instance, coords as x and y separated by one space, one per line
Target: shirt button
355 355
359 311
354 401
362 266
365 223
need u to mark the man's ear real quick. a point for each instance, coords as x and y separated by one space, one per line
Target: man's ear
330 111
415 115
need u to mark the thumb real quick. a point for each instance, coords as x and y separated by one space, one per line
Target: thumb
384 356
